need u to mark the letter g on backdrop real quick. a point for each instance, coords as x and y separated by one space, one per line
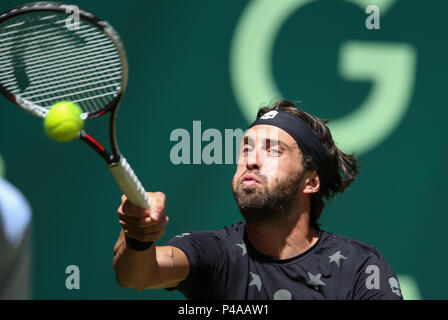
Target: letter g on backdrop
390 67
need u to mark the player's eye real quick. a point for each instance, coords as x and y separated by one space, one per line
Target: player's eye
274 152
247 149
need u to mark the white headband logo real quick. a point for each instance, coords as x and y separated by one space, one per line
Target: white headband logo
269 115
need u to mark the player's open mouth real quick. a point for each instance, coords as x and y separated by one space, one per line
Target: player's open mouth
249 180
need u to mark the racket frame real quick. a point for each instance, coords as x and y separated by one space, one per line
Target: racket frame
41 112
119 167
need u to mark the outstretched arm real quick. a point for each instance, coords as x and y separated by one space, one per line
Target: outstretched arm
155 267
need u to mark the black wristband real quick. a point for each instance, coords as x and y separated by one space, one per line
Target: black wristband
138 245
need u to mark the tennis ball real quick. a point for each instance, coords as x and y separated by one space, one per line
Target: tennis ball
63 121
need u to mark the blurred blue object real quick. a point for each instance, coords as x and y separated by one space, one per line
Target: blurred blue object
15 243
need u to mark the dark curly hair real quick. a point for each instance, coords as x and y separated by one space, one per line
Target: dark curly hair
340 168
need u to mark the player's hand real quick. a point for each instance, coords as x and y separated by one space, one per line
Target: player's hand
144 224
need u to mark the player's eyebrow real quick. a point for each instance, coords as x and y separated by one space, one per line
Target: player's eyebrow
248 140
268 142
277 142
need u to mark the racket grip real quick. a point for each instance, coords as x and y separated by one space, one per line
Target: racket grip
134 191
129 183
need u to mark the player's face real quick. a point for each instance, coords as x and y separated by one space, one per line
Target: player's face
269 171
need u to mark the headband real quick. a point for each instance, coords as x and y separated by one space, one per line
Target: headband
299 131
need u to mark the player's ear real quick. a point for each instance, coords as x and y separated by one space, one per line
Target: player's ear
311 183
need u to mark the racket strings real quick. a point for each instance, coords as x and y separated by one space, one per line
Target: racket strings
43 61
57 47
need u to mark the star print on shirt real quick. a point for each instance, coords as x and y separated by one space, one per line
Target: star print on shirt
242 245
315 281
336 257
256 281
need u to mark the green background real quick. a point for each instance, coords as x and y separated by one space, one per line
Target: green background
179 58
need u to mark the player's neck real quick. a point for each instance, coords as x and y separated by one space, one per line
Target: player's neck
283 239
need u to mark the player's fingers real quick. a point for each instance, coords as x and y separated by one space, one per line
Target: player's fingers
155 212
129 222
141 225
155 228
158 204
128 209
138 222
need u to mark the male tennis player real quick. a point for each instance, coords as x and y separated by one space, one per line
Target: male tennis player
288 164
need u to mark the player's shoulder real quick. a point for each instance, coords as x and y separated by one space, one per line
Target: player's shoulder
225 234
334 241
234 230
228 233
364 270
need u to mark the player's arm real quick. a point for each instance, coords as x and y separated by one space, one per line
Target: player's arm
156 267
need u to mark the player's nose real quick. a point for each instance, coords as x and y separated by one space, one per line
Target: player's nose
254 160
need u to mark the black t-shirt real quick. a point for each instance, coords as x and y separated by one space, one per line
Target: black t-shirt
224 265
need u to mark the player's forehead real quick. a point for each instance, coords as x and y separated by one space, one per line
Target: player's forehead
267 133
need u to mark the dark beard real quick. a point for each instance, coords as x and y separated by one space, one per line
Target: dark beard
263 205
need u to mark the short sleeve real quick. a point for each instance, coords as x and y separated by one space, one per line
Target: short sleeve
205 254
375 280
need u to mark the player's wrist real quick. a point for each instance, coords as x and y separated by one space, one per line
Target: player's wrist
138 245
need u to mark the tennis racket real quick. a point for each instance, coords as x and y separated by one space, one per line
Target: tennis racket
51 52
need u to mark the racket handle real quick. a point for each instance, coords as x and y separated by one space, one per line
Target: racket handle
134 191
129 183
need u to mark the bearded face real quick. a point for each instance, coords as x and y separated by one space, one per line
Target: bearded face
261 202
269 175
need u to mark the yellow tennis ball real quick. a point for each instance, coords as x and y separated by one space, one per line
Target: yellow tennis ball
63 121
